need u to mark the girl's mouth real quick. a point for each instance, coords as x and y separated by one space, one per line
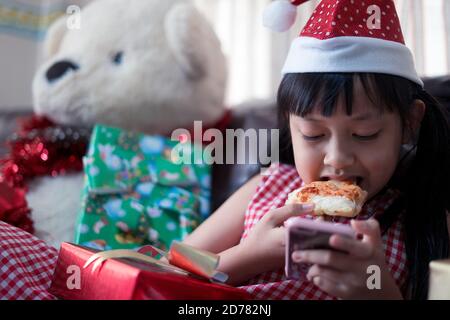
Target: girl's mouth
357 180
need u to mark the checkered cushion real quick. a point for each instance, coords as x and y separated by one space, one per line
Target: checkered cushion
26 265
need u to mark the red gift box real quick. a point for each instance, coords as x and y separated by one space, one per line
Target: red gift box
126 279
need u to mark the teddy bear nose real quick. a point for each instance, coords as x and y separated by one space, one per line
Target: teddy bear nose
58 69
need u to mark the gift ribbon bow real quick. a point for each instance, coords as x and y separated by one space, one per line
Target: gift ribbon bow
182 259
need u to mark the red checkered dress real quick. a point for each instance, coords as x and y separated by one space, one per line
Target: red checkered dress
277 182
26 265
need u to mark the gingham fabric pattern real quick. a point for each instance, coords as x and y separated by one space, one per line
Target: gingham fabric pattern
277 182
26 265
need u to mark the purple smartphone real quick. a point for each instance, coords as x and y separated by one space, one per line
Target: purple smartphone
304 234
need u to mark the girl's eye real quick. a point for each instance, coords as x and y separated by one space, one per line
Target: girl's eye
313 138
369 137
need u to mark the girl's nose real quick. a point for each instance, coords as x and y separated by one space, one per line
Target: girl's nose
339 156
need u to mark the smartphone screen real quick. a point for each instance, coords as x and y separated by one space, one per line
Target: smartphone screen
304 239
307 238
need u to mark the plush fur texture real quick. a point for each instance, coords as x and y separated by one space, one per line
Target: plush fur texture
172 72
55 203
150 66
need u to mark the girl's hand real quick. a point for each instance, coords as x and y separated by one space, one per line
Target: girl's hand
346 275
266 241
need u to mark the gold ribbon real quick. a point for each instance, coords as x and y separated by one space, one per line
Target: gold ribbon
183 259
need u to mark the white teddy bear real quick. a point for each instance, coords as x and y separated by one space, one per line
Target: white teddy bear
150 66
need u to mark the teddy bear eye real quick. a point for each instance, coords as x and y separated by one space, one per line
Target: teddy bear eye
118 57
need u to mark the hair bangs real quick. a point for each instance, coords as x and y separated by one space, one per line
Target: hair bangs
301 94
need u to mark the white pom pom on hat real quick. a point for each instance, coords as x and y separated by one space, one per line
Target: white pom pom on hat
280 15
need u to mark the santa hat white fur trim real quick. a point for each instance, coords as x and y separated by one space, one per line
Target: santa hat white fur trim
351 54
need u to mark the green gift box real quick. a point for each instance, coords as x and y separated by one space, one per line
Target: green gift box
140 190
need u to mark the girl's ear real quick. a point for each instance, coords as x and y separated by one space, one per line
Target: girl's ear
413 122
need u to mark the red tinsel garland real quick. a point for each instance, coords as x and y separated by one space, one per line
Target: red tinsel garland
38 148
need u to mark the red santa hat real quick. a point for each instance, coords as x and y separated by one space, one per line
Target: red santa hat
345 36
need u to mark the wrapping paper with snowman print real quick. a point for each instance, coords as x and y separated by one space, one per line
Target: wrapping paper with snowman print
137 190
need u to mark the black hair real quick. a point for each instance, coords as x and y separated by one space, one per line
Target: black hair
425 181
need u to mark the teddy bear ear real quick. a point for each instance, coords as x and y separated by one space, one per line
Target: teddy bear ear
188 34
54 37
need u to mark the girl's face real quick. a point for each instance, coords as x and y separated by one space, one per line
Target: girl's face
364 147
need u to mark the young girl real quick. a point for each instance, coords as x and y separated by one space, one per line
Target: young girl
351 106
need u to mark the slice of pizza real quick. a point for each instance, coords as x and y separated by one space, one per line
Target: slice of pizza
331 198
